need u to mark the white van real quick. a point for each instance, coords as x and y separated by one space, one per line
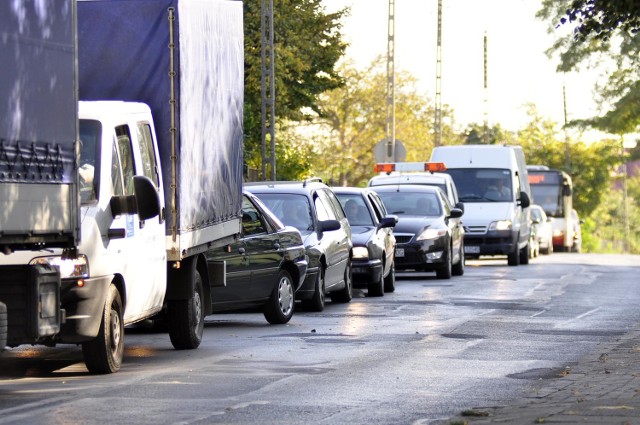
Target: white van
493 184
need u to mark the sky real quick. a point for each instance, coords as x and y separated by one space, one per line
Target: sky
519 72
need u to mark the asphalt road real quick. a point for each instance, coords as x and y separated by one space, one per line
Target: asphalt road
416 356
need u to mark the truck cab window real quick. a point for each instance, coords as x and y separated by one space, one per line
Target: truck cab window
116 173
126 158
89 171
149 164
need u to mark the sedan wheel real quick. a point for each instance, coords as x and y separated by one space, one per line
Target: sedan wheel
279 308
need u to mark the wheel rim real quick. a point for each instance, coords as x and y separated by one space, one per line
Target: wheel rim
116 331
197 308
321 289
285 296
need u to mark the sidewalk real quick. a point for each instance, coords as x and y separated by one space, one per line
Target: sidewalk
603 388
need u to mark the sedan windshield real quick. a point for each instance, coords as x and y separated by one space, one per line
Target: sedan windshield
355 209
411 203
292 209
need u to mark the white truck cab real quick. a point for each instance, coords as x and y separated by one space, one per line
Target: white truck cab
492 182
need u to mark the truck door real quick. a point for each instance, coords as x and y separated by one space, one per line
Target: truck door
144 265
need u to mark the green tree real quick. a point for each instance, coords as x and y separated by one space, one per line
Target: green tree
589 165
601 32
307 44
354 120
474 134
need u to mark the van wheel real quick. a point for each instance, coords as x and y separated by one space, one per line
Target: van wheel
524 254
279 308
514 257
104 353
186 318
390 280
344 295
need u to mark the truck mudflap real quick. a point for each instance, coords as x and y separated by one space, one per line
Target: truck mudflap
32 296
84 306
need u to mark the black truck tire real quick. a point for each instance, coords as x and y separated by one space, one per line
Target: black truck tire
104 353
186 318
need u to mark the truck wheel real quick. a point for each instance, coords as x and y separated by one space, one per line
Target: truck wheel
104 353
316 303
279 308
524 254
3 326
344 295
390 280
186 318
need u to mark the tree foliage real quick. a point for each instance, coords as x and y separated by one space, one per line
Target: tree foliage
354 120
307 45
600 32
589 165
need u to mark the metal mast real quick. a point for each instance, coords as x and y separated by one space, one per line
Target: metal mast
268 90
390 130
486 92
437 124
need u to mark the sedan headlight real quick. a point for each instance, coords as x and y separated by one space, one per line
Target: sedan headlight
69 267
431 234
360 253
500 225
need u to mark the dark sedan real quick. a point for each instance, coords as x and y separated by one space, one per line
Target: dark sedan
372 236
429 233
264 267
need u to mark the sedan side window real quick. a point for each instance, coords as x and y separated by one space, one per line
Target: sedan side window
321 209
251 219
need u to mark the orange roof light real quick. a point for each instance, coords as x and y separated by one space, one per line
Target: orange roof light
434 166
385 167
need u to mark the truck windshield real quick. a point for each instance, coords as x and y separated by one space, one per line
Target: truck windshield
483 184
90 136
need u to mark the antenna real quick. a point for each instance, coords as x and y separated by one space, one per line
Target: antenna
437 124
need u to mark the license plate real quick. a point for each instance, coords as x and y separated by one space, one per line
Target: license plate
399 252
471 249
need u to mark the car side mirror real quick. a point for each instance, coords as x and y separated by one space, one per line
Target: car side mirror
328 225
455 213
460 206
535 220
388 221
524 200
147 198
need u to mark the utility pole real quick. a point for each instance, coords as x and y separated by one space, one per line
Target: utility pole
390 128
567 156
268 90
437 124
486 92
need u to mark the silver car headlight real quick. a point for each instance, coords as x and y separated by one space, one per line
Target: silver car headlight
431 234
70 268
500 225
360 253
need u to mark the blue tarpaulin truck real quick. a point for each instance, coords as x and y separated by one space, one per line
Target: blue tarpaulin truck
159 172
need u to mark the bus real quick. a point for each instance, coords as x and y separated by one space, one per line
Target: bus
552 190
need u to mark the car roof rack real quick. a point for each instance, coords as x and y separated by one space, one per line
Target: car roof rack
311 180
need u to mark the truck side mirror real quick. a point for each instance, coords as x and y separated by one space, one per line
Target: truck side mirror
524 200
123 205
147 198
566 190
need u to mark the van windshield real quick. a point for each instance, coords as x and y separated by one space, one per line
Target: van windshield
483 184
90 137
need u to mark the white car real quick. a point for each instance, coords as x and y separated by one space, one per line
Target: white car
543 228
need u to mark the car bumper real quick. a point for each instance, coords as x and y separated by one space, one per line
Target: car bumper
308 286
489 244
364 272
424 255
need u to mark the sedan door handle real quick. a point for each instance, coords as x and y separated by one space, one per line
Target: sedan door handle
241 250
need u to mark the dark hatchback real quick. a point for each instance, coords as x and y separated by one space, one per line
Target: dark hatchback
372 236
264 267
312 207
429 233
